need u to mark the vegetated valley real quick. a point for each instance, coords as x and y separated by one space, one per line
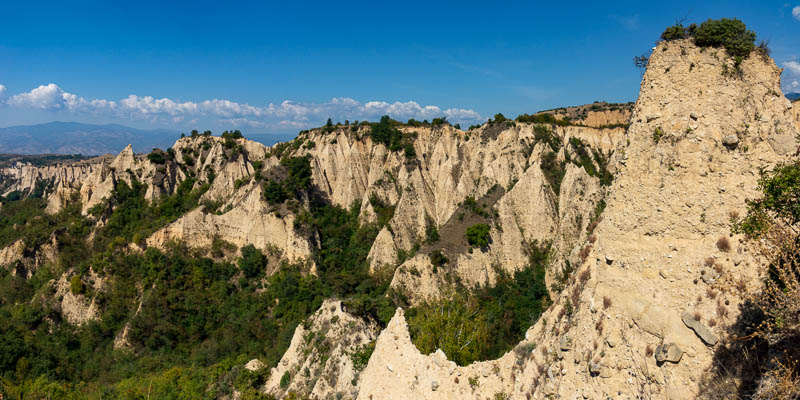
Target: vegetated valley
553 254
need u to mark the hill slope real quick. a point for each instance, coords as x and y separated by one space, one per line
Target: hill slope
89 139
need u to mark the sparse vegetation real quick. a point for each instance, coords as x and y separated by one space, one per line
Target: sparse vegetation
478 235
761 362
76 285
485 323
723 244
658 133
285 380
730 34
553 171
157 157
361 356
385 132
438 259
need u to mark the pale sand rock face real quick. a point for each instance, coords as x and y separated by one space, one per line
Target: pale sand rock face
450 166
383 251
248 222
12 253
602 118
13 256
528 213
318 360
76 309
666 209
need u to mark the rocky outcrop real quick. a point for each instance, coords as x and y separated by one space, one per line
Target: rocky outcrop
677 184
23 261
76 308
249 221
12 253
323 358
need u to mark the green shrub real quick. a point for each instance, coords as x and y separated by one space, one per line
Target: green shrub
232 135
274 192
478 235
385 132
732 34
439 121
286 378
543 133
362 355
658 133
487 322
299 173
768 328
543 118
384 211
781 191
595 163
438 259
253 262
553 170
675 32
431 231
76 285
473 206
455 325
157 157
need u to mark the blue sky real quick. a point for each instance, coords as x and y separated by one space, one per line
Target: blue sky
284 66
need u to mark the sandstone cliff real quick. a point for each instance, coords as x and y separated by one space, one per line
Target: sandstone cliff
689 160
327 353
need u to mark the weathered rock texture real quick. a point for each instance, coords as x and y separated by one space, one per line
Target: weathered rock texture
348 167
319 361
675 187
77 308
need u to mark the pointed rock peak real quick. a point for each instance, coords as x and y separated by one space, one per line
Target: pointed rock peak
126 152
399 319
124 160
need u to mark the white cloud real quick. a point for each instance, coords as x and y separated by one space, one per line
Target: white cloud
46 97
793 67
2 90
287 114
791 76
796 13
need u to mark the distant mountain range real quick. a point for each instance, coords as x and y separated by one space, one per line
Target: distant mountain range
793 96
89 139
